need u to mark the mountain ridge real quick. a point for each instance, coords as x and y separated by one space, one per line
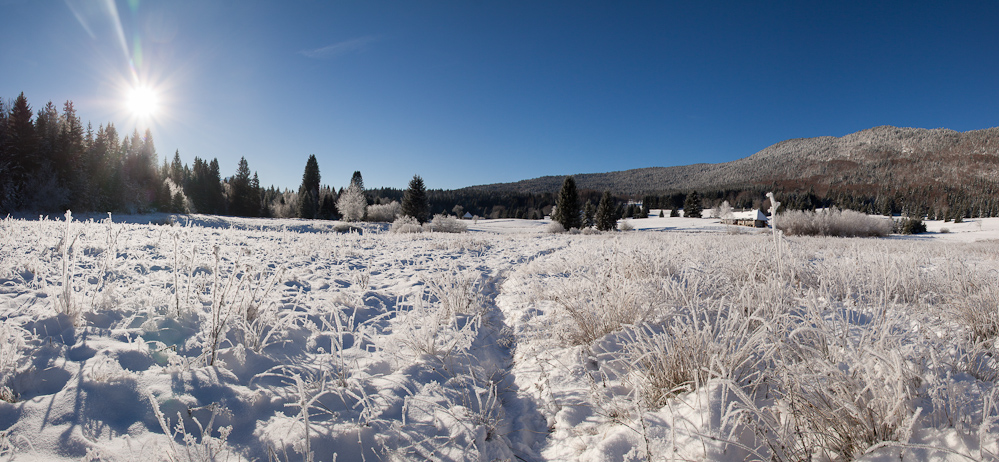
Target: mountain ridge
868 160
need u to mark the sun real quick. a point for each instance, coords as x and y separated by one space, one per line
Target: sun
142 102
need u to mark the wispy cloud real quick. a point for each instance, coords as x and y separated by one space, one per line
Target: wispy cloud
341 48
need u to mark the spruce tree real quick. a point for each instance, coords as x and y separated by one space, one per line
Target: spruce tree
589 215
567 205
308 193
177 203
692 207
216 194
327 204
605 218
177 170
414 200
357 179
245 200
21 156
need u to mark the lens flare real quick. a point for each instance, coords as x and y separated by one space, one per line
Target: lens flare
142 102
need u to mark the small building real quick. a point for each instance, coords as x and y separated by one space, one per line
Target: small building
467 216
754 218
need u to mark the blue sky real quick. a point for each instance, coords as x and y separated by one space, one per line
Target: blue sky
466 93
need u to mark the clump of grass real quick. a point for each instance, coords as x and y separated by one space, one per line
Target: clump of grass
66 304
841 384
717 342
456 291
13 340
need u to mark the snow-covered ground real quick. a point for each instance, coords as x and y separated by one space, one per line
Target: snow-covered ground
213 338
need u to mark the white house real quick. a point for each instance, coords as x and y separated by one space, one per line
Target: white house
754 218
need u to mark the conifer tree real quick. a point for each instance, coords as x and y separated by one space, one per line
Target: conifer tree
308 193
327 204
589 215
213 185
6 186
414 200
177 169
567 205
244 200
69 155
692 207
21 153
177 203
605 218
357 179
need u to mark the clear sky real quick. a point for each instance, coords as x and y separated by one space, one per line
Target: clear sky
474 92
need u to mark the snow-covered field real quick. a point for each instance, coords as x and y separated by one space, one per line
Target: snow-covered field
208 338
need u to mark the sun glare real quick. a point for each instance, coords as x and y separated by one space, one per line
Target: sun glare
142 102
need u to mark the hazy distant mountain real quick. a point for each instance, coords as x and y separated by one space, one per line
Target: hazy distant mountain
862 161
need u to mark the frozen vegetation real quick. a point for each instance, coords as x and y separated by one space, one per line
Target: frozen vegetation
256 339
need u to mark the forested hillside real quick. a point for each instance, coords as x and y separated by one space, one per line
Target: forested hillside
885 168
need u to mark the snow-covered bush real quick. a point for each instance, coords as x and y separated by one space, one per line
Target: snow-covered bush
625 225
832 222
352 203
406 224
555 228
384 213
447 224
590 231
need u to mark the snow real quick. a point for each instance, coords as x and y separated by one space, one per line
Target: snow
176 337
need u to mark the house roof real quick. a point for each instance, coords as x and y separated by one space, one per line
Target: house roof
751 215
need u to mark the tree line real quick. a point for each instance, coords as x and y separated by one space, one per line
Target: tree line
50 161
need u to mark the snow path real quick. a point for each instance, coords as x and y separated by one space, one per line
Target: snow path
523 423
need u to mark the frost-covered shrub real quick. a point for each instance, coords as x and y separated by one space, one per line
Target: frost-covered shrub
832 222
555 228
384 213
352 203
625 225
447 224
590 231
909 226
406 224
